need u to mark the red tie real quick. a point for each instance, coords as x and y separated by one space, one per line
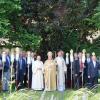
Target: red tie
81 66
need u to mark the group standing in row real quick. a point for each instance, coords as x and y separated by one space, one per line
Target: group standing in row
56 73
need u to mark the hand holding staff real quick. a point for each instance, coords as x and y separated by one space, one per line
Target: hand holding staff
67 61
67 58
71 60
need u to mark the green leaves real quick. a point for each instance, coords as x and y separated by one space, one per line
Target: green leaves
12 28
50 24
6 8
96 16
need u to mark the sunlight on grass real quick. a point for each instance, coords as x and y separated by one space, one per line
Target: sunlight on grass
26 94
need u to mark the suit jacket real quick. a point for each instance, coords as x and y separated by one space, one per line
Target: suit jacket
76 67
86 68
21 65
93 70
7 63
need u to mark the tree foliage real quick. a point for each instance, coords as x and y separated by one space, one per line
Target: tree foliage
50 24
11 26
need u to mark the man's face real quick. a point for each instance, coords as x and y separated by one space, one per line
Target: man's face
75 55
59 53
21 54
38 58
24 54
94 58
80 55
88 55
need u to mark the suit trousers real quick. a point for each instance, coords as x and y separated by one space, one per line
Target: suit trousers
93 81
6 79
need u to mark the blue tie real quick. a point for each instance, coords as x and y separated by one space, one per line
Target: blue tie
8 60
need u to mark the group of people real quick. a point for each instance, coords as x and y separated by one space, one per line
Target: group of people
53 74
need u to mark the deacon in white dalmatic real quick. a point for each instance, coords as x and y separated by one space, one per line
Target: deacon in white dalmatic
61 70
37 74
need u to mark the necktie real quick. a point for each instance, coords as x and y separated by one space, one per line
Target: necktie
81 65
94 64
20 63
8 61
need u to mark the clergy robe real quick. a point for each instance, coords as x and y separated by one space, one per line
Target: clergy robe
61 69
50 75
37 75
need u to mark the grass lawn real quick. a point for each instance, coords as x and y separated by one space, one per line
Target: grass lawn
69 94
36 95
40 95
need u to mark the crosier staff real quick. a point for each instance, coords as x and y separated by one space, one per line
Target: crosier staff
83 62
67 61
17 58
55 54
12 61
71 60
28 63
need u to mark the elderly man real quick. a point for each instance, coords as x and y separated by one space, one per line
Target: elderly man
61 70
50 73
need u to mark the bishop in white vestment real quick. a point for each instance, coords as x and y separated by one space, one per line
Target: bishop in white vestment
37 74
61 70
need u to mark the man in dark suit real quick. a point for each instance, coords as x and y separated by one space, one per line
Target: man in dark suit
6 72
76 69
81 65
25 75
87 61
21 71
93 70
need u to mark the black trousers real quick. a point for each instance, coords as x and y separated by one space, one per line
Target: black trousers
30 76
25 78
93 81
76 82
20 78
